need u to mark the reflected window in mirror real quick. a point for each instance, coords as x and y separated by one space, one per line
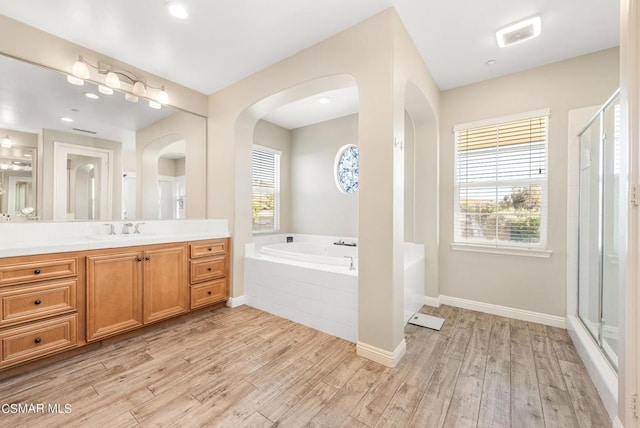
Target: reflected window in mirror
18 157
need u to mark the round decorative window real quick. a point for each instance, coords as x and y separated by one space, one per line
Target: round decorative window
346 168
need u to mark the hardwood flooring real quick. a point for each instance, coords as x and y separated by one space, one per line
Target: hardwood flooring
246 368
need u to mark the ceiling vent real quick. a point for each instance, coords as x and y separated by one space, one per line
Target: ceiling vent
86 131
519 32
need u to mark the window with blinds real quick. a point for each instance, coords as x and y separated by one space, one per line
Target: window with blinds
501 183
266 189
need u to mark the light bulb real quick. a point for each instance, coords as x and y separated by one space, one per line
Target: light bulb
105 90
75 81
163 97
131 98
139 89
154 104
112 80
80 69
6 142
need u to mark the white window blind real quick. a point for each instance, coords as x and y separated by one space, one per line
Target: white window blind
501 183
266 189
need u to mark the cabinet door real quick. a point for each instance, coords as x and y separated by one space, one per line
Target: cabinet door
166 290
114 294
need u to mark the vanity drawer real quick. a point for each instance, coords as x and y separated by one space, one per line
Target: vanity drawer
36 340
38 271
37 301
212 247
206 269
209 293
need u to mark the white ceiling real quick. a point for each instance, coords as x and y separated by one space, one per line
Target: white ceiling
224 41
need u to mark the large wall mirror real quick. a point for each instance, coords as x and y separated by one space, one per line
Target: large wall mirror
70 152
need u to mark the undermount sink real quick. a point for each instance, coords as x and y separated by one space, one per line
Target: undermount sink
121 237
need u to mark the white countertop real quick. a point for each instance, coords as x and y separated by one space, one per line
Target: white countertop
21 239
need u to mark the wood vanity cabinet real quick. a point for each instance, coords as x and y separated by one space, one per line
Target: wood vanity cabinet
127 289
38 307
208 272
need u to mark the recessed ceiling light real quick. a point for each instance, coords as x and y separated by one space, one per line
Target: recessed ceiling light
178 10
91 95
519 32
324 100
66 119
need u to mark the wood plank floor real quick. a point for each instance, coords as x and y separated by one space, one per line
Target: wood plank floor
246 368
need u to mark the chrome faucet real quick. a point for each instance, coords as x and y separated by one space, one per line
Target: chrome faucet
137 228
351 266
112 228
346 244
125 228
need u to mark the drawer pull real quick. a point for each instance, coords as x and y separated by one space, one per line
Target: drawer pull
139 259
209 269
38 340
37 272
209 249
37 302
209 292
147 258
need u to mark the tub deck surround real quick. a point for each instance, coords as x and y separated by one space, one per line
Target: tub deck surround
30 238
309 281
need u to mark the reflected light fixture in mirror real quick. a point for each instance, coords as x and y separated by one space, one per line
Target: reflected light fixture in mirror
177 9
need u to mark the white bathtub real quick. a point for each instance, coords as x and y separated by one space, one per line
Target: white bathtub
309 281
313 252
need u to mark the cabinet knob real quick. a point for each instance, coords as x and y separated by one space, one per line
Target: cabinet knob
147 258
37 302
38 340
209 269
37 271
209 292
209 249
139 259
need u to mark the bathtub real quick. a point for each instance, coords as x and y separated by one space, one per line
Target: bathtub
309 281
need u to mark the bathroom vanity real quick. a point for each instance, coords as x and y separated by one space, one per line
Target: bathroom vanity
52 302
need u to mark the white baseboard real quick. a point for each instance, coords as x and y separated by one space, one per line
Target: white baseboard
386 358
432 301
617 423
234 302
504 311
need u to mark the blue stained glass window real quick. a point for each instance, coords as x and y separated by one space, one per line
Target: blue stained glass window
347 167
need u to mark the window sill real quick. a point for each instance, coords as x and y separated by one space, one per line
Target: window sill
507 251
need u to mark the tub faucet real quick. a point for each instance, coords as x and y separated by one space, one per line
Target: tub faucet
351 266
125 228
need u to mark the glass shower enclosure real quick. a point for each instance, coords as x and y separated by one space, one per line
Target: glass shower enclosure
598 283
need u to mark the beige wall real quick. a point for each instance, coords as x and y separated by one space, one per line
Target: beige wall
150 140
318 207
535 284
275 137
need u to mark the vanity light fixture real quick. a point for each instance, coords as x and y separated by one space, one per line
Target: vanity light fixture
16 167
154 104
91 95
324 100
519 32
80 69
4 166
139 89
177 9
113 80
6 142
